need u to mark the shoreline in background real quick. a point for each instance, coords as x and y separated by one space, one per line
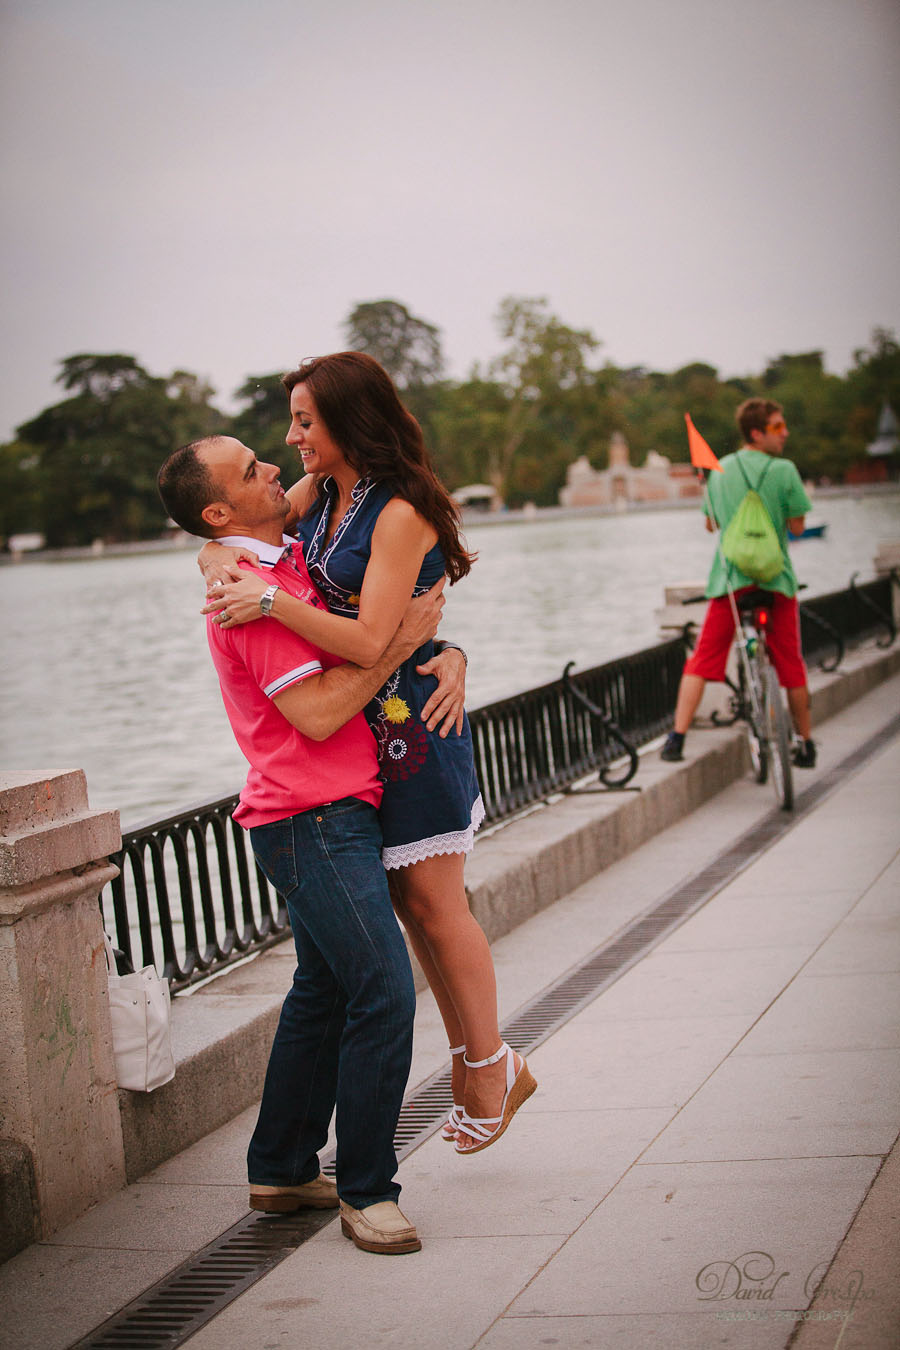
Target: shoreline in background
523 515
107 666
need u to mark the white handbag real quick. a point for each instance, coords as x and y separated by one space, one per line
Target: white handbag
142 1038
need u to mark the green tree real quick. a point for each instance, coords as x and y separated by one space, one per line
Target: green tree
655 418
815 408
20 496
409 348
572 421
544 358
873 379
100 376
596 414
193 414
465 426
263 423
99 451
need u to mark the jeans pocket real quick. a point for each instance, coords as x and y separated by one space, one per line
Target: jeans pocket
273 848
350 825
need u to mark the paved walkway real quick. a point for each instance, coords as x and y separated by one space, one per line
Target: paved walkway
703 1137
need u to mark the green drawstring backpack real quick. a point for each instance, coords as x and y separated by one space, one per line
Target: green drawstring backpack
750 541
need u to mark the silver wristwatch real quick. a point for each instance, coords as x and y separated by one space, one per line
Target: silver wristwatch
265 600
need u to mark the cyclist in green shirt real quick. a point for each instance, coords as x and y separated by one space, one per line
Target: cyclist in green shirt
763 427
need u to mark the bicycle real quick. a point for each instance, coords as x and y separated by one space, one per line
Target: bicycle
757 699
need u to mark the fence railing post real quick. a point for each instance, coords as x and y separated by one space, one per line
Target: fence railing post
59 1110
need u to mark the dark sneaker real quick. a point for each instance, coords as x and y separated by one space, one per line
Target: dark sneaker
672 750
804 755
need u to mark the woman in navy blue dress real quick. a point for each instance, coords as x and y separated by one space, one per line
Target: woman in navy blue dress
377 527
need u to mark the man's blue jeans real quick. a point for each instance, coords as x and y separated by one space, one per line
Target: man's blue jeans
345 1033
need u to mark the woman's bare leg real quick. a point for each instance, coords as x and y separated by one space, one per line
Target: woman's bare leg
452 1024
433 902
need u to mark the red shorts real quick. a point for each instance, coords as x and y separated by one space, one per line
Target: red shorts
710 656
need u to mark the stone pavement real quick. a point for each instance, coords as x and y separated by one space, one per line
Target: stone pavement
704 1133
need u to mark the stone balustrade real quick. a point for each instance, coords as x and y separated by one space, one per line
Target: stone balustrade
60 1133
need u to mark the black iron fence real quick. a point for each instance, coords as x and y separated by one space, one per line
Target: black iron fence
190 900
845 617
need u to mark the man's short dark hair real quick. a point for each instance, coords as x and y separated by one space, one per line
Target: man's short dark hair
187 487
754 414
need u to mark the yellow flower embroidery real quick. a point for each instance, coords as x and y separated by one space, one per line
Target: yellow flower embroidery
353 600
396 709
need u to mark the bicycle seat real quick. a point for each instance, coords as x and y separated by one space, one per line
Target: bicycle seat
751 600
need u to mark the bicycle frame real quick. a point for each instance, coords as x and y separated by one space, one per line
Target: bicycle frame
759 700
756 697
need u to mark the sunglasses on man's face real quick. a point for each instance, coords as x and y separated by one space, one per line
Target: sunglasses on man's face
780 425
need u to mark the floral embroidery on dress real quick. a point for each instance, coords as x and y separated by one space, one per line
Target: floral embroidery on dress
402 742
404 752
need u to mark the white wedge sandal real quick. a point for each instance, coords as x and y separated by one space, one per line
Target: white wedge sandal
453 1122
519 1087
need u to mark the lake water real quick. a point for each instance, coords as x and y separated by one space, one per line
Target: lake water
106 667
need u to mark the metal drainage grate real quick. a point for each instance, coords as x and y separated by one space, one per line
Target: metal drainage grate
170 1311
165 1315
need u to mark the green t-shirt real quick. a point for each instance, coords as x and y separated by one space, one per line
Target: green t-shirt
785 497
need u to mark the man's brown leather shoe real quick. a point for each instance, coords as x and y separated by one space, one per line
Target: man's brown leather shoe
321 1193
379 1228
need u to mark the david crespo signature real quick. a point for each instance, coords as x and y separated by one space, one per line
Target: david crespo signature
754 1277
751 1277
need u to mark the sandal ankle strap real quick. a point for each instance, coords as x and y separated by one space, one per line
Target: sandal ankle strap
491 1059
457 1049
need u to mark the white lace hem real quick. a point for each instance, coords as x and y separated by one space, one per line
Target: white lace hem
460 841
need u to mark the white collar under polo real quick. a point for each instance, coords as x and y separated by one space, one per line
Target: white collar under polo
269 554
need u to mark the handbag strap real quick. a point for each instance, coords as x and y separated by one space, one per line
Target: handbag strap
111 967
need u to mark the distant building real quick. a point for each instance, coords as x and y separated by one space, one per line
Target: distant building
882 460
477 497
885 442
659 480
25 543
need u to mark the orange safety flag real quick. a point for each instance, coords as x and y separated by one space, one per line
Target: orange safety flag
701 455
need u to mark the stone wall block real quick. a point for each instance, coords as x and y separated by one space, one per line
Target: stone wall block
30 798
18 1199
59 835
58 1094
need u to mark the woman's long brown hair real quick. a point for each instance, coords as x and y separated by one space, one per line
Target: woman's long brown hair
356 399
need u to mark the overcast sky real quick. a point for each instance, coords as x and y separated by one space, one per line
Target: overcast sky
213 184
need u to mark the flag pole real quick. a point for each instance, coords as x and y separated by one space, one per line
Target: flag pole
702 458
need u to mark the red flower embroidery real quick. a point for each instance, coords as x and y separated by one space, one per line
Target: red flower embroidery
403 751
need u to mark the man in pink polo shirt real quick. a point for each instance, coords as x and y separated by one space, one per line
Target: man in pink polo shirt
310 803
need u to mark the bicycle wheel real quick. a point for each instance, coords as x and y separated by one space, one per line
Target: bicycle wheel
779 736
753 704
